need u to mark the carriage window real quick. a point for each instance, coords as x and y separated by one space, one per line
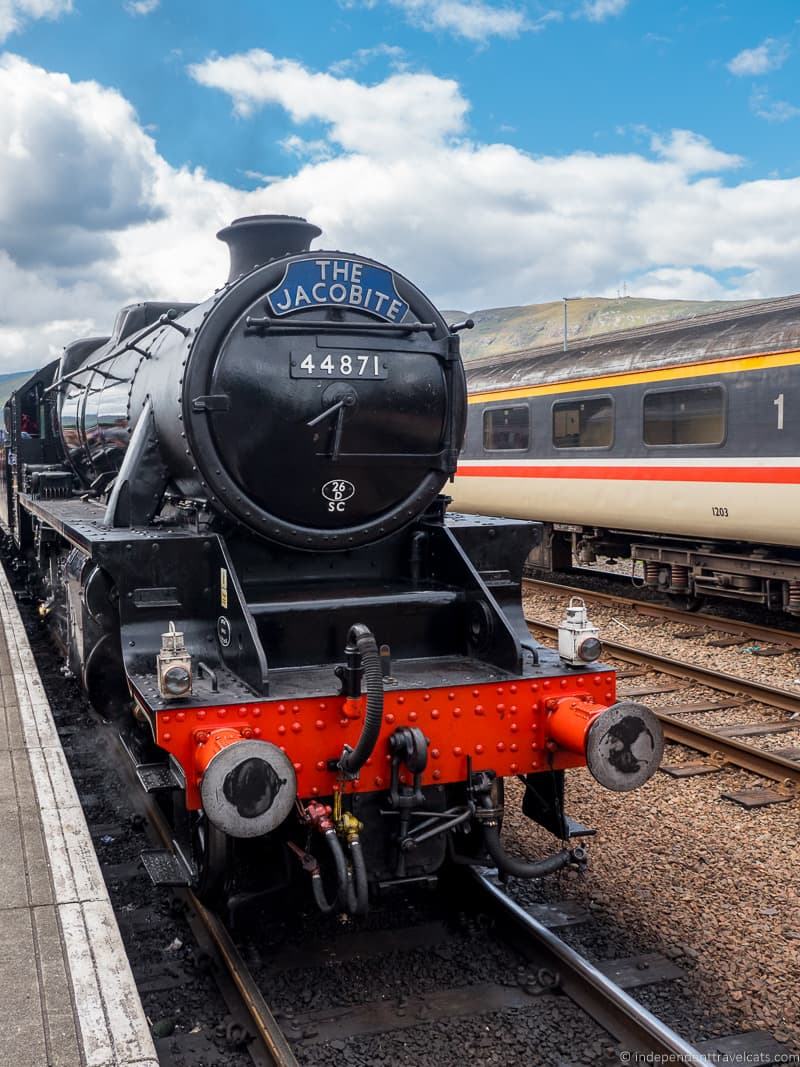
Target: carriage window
587 423
685 417
507 429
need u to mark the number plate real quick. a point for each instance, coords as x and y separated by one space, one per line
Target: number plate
322 364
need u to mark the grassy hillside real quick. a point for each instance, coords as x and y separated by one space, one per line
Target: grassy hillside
10 382
499 330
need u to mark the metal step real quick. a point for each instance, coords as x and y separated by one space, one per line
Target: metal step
155 777
165 868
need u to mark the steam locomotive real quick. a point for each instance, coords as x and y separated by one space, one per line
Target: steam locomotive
232 515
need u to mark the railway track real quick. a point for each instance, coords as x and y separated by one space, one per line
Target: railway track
720 749
239 988
750 630
635 1028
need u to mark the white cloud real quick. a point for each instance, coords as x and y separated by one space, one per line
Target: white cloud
385 118
762 105
600 10
394 53
472 19
693 153
14 13
474 224
771 54
671 282
141 7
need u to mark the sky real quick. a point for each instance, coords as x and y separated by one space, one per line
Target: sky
497 152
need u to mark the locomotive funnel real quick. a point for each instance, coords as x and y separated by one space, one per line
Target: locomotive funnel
256 239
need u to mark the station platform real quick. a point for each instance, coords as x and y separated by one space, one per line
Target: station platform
67 995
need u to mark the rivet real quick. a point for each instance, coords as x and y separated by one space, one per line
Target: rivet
256 713
435 753
201 714
257 731
476 692
514 727
512 689
181 716
412 716
435 713
514 746
320 724
281 709
500 690
608 695
563 683
479 749
282 729
379 782
451 696
479 709
598 680
320 764
295 708
514 767
501 707
298 766
296 727
535 687
512 710
314 791
437 774
501 747
222 712
390 718
457 750
457 712
545 685
401 700
167 737
368 762
165 718
426 696
322 705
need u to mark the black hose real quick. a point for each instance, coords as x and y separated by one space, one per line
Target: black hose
352 760
524 868
361 895
327 906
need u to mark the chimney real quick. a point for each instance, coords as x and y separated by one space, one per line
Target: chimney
256 239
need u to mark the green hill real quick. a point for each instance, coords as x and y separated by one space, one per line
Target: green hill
12 381
499 330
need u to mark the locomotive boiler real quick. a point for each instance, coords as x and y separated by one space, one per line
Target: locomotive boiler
233 515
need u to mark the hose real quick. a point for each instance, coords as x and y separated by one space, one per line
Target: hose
360 899
327 906
352 760
525 868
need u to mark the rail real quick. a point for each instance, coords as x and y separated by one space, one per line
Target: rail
629 1022
664 611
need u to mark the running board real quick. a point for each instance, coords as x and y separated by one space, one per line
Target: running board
165 868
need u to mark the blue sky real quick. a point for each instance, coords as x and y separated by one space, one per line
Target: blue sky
497 152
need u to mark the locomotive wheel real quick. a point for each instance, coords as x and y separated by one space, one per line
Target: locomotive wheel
685 601
212 855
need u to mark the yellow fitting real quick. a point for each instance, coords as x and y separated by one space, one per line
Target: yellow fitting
348 826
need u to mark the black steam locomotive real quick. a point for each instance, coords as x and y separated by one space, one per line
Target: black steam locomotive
232 515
